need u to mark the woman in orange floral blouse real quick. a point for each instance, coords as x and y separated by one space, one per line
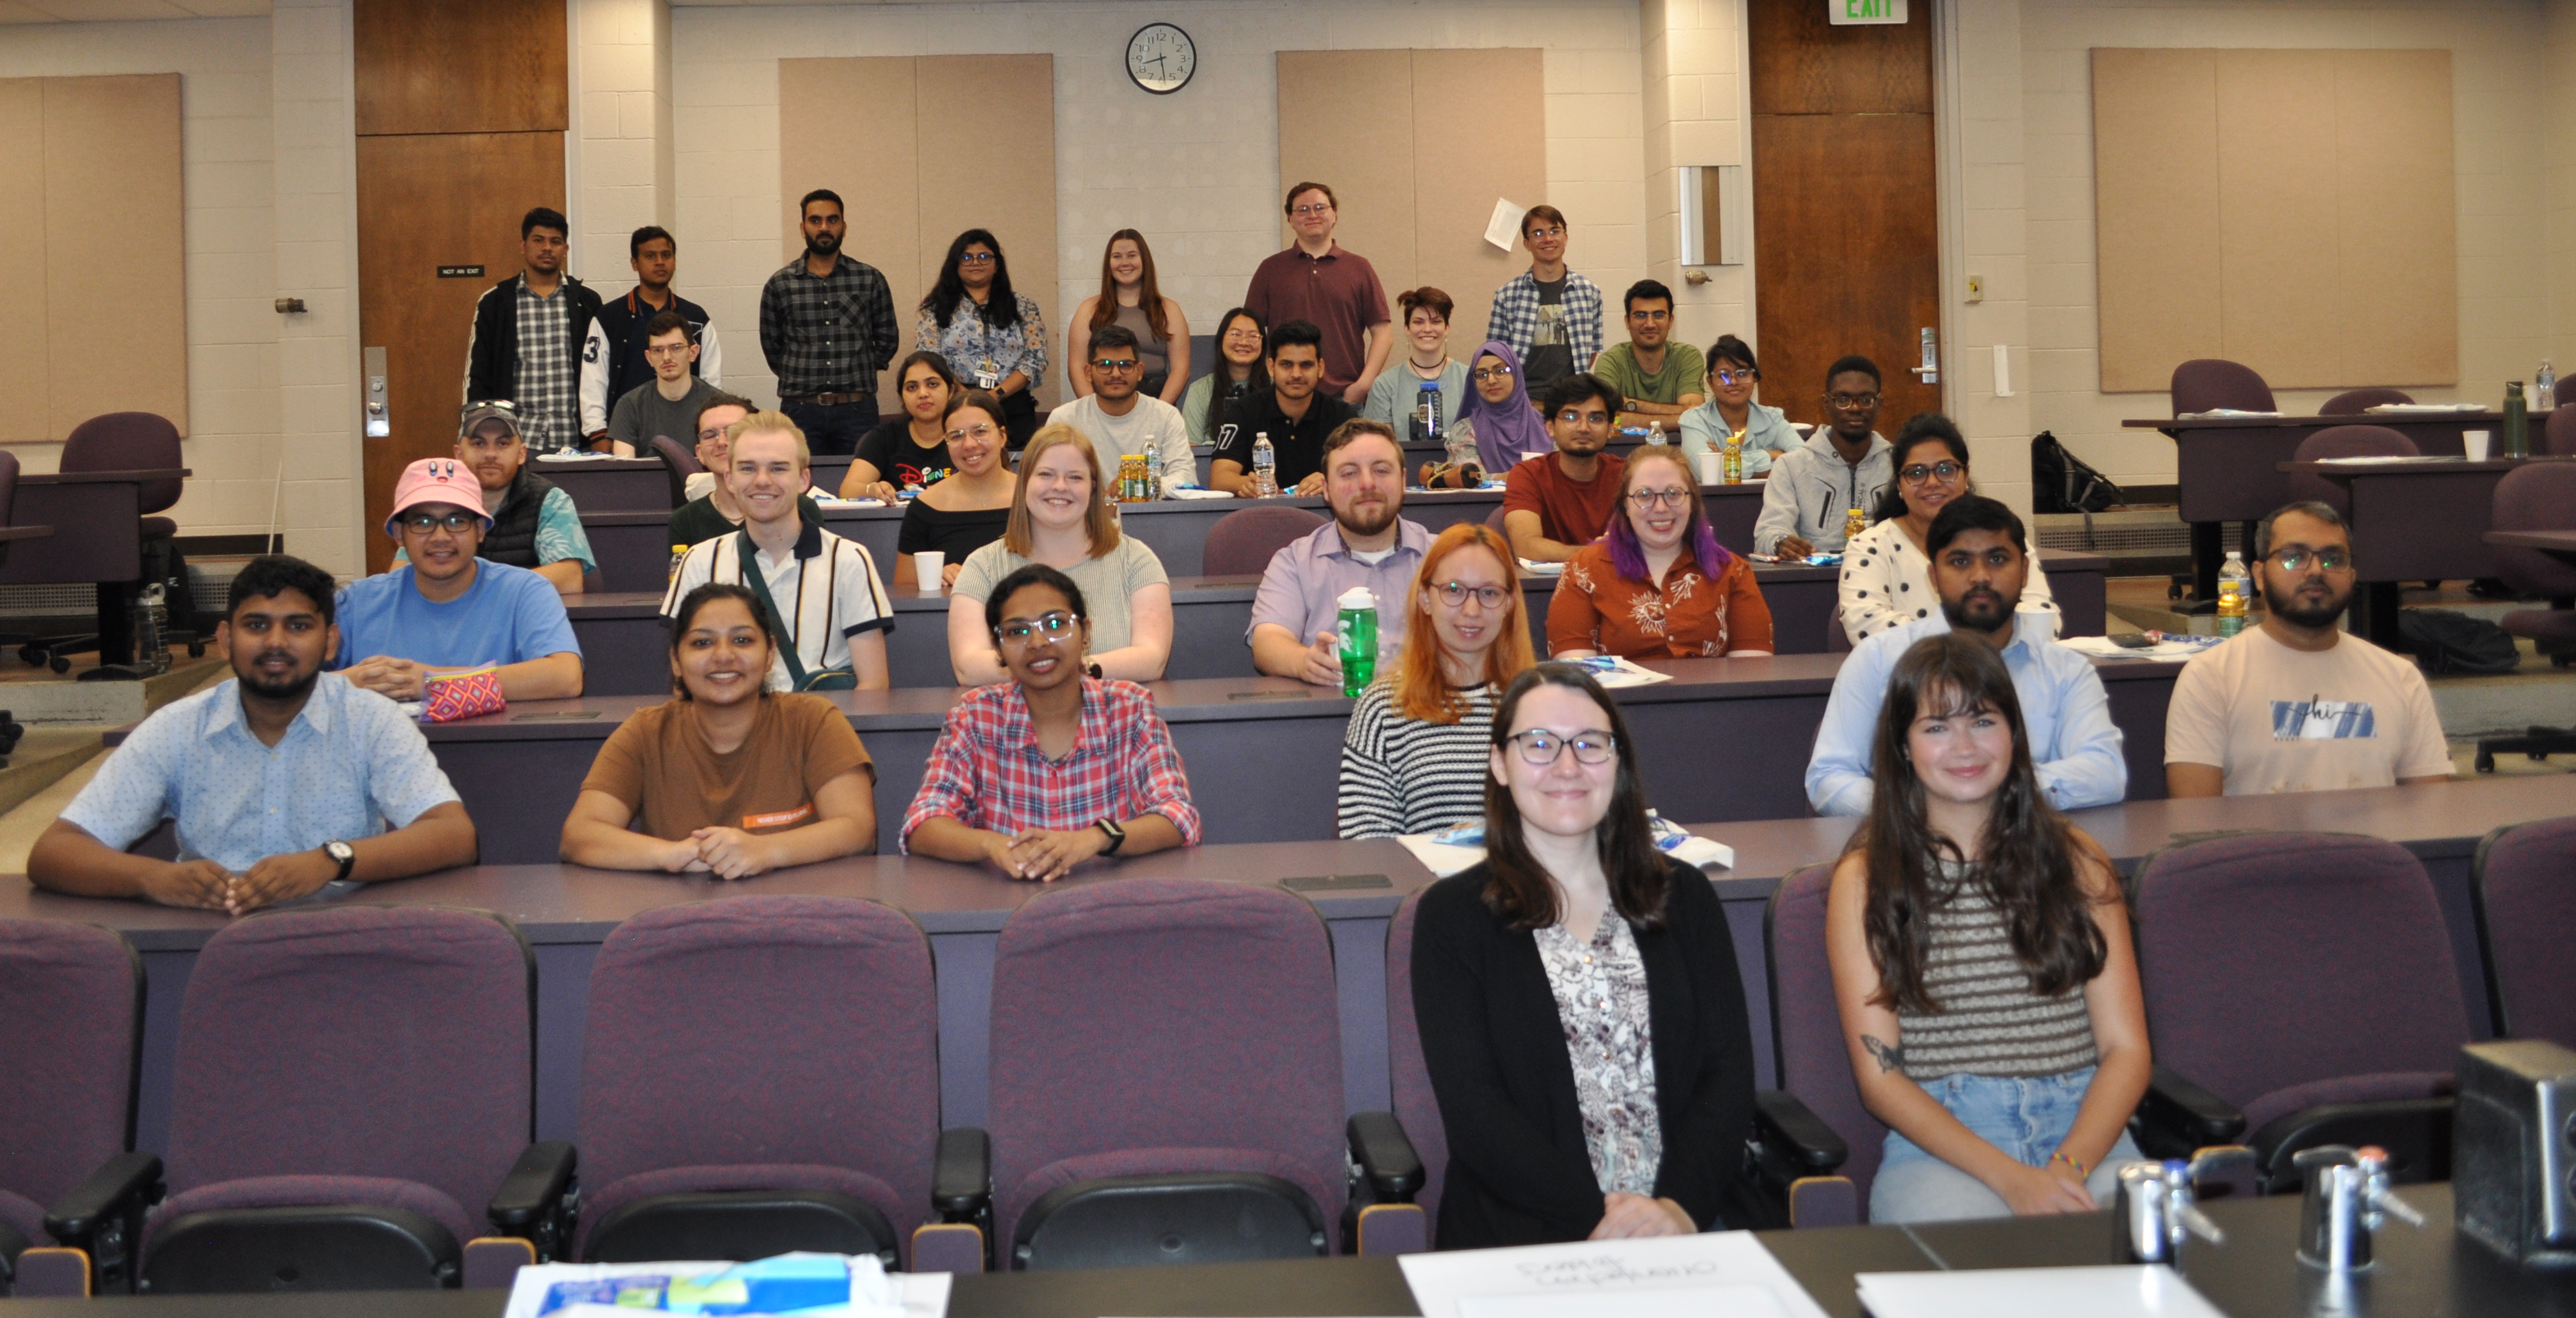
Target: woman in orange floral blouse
1658 586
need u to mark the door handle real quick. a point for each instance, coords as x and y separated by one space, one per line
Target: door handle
1930 370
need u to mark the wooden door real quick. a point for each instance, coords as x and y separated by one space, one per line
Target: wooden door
429 200
1845 221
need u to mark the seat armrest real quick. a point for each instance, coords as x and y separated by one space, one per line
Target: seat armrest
2177 1117
122 1186
535 1191
961 1179
1795 1134
1385 1156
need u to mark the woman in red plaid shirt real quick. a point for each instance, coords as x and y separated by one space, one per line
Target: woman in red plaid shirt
1056 766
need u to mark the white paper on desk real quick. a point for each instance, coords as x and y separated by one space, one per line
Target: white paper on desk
919 1294
2216 412
1613 671
2103 647
1531 567
2110 1292
1504 229
1608 1279
2385 409
1195 492
576 455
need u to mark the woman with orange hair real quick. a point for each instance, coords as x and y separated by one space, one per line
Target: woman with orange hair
1414 757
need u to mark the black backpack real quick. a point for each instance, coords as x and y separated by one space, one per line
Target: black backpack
2062 483
2449 641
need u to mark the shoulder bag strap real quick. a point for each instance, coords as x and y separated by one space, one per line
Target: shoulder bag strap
747 565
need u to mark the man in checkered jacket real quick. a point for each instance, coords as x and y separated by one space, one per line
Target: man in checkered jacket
528 335
1550 315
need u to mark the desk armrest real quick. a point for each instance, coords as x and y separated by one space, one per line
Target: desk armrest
2178 1117
126 1183
1385 1156
1794 1135
536 1200
961 1179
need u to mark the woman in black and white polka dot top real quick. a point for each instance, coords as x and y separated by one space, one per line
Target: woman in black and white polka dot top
1886 578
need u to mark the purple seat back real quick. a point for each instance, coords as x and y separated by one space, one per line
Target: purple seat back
2540 497
8 498
1185 1015
1837 641
2207 382
678 464
810 1025
2558 433
2525 883
369 1041
1494 519
1807 1027
1242 541
2343 442
2565 390
71 1009
1415 1105
2273 960
2354 402
128 441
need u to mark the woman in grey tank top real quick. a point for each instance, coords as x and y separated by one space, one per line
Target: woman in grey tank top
1981 961
1129 295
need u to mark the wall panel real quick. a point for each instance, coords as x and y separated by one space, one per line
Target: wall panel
22 248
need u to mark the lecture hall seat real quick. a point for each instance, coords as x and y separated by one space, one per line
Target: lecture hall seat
2354 402
71 1194
2525 908
2343 442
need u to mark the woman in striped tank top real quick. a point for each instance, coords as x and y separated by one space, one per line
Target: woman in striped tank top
1982 963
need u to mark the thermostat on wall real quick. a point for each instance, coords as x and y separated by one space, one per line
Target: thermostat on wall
1161 58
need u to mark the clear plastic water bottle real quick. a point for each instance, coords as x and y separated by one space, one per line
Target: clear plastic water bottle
1655 433
2233 584
1426 413
1265 467
2544 388
150 655
1357 627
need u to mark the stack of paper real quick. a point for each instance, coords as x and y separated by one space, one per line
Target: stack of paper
2221 412
1610 670
575 455
2107 1292
2103 647
2423 408
1722 1274
819 1285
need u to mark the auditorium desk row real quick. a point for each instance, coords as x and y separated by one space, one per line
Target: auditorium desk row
566 912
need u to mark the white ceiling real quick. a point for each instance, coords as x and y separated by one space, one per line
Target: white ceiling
124 11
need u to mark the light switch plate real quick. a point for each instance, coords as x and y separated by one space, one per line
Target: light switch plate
1976 288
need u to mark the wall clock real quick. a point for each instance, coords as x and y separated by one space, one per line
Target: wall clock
1161 58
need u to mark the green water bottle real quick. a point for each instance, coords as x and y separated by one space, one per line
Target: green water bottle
2517 421
1358 630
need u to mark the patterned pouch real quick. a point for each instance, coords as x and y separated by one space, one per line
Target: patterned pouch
452 696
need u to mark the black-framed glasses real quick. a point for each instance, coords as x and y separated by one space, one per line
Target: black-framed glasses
2298 558
1650 316
1484 373
424 523
1046 629
1727 377
1851 402
1572 417
978 258
1313 208
1455 594
1540 747
1116 364
1944 470
1650 498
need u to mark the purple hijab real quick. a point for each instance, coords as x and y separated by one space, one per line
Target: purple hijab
1510 430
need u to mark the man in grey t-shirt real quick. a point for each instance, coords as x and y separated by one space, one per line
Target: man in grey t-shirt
670 403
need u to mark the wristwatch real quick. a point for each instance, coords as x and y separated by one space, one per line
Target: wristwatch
345 854
1117 835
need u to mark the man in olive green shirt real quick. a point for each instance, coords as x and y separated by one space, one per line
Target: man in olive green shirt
1657 378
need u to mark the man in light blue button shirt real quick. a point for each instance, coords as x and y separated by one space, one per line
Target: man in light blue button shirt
283 781
1979 562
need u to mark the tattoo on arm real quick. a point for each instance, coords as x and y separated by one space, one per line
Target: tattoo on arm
1890 1057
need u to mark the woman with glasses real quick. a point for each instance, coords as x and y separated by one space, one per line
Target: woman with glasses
1581 1013
1129 295
994 339
1730 410
1658 586
1499 419
1060 516
1413 757
1056 766
727 777
1239 372
968 508
907 451
1886 576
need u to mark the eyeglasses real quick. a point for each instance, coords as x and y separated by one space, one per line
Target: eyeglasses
2298 558
1665 498
711 434
1650 315
1571 417
1546 233
1851 402
1312 208
1484 373
978 258
425 523
666 349
1054 626
1745 376
1541 747
1119 364
980 430
1455 594
1944 470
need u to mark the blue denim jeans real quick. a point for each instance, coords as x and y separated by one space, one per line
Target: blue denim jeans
833 431
2026 1117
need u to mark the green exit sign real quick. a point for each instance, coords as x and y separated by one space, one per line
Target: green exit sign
1841 12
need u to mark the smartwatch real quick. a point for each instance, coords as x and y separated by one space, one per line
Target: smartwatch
345 854
1117 835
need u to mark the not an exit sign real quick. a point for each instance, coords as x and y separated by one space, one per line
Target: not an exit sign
1843 12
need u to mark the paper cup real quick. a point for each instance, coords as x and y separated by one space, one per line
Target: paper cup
2474 442
1712 468
926 567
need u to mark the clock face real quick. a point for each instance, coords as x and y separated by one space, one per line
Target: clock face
1161 58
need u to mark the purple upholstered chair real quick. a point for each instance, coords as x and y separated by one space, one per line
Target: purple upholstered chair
2540 497
2526 914
71 1014
2558 433
1837 641
678 464
1166 1076
1494 519
760 1075
1241 542
2354 402
122 441
2209 382
2306 980
2343 442
1402 1155
1813 1126
352 1104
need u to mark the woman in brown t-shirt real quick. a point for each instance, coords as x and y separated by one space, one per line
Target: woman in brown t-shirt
726 777
1658 586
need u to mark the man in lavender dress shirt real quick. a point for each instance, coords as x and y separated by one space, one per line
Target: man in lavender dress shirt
1366 544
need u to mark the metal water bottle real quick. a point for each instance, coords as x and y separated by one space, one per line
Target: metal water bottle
1426 413
2517 421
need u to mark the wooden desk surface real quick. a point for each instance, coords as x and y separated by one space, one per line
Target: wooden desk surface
2393 419
2431 465
2555 542
25 532
135 477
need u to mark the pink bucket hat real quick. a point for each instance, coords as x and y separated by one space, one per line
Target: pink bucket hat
435 480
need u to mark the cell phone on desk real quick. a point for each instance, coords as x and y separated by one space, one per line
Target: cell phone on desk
2134 641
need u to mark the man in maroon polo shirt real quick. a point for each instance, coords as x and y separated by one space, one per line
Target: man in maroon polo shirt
1315 280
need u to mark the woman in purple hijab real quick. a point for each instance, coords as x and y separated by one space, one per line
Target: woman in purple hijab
1498 415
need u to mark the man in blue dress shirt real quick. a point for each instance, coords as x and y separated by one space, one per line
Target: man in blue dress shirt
1979 562
283 781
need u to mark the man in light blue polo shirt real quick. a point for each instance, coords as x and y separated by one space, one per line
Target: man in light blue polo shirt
1979 562
447 609
1295 613
283 781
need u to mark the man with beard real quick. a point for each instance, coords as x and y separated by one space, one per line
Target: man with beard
1366 544
528 335
616 356
534 523
2295 705
1980 560
827 327
1556 503
282 781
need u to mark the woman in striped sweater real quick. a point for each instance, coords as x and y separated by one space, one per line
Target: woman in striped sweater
1982 963
1414 757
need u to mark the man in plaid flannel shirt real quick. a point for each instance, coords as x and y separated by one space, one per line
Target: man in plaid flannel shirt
1550 315
528 334
827 327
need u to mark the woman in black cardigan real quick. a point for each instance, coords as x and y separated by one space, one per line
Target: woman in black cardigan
1518 977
